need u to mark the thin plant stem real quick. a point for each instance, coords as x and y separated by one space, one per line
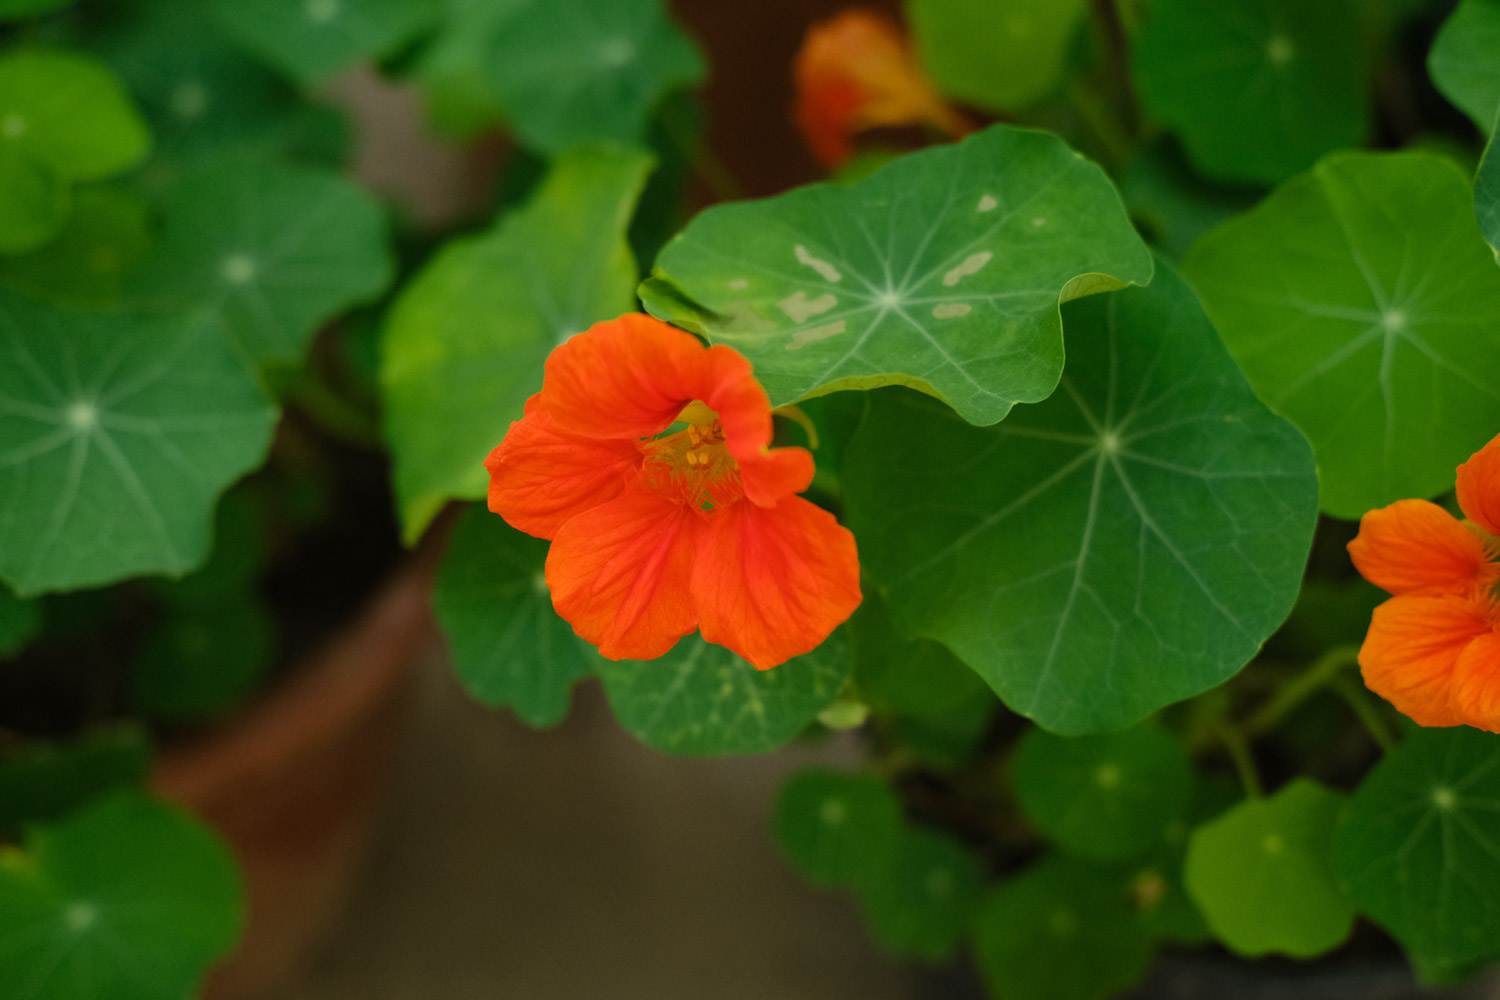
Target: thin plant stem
1324 670
1244 762
1366 709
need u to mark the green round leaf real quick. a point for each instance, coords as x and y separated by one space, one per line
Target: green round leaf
312 39
942 271
1256 89
107 234
19 621
1107 797
1361 302
927 898
127 900
452 68
45 781
839 830
1262 873
701 699
1088 556
1487 193
33 201
1061 930
464 344
203 662
69 111
1001 56
117 435
508 645
287 249
1417 847
1463 62
571 71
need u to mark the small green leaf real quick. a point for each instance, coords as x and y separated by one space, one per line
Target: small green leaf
943 271
508 645
1061 930
202 662
927 898
1004 57
1463 62
128 899
1262 873
701 699
312 39
1106 797
68 111
19 621
840 830
1256 89
107 235
1417 847
45 781
464 344
33 201
452 68
1088 556
1362 304
288 249
117 435
1487 193
571 71
920 677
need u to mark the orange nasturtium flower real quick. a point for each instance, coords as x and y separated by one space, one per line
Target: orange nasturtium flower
1433 650
655 534
856 71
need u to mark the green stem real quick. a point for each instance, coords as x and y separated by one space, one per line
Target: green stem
1099 117
1367 710
1323 672
330 411
1244 761
705 163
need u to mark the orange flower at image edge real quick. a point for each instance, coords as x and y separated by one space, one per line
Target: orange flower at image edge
1433 650
653 534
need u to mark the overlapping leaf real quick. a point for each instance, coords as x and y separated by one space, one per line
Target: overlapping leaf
452 67
106 236
999 56
19 621
1362 303
926 899
1262 873
1462 61
43 782
701 699
839 829
1417 847
1126 544
117 435
1487 193
312 39
509 647
571 71
126 900
274 251
1256 89
943 271
464 344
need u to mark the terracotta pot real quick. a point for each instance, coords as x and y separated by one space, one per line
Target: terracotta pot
294 783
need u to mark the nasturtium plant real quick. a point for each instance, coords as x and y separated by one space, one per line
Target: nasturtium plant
571 71
273 226
16 9
917 677
1255 89
107 235
1462 60
452 67
126 899
1087 556
310 40
117 435
19 621
701 699
1362 304
464 343
943 271
1487 193
1415 847
509 647
999 56
1107 797
840 829
1263 873
45 783
924 903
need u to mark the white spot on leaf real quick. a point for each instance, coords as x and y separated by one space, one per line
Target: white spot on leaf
971 264
799 308
617 52
1039 222
1280 50
13 126
988 203
827 270
322 11
238 269
805 337
951 310
739 284
189 100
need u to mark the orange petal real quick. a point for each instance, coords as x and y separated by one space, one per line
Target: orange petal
1412 649
1479 487
1476 683
1416 547
773 475
541 476
771 583
620 574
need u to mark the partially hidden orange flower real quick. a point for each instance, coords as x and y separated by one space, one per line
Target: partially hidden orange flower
855 72
655 534
1433 650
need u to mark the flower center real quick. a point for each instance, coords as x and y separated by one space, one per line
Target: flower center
693 466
